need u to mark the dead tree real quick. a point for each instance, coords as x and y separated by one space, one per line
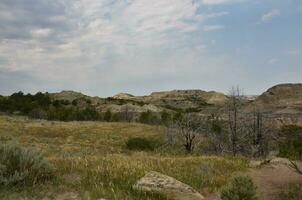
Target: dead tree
233 110
126 114
216 134
260 132
170 133
295 167
188 129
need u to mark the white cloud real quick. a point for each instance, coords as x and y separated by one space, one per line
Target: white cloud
214 2
293 52
272 61
41 32
100 43
270 15
212 27
219 2
212 15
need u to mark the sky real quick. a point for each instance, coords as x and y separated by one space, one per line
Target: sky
103 47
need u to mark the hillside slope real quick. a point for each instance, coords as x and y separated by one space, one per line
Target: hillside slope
185 100
282 99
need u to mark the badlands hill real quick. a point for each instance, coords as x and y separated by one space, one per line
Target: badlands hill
280 99
185 100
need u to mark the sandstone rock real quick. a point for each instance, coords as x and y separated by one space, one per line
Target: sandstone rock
72 178
271 161
67 196
172 188
283 161
255 163
122 96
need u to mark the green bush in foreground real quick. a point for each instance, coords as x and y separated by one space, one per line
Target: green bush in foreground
143 144
293 192
22 166
239 188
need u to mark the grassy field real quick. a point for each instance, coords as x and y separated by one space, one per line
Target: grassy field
92 160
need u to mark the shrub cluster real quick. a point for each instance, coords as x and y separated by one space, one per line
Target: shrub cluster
143 144
41 106
239 188
22 166
24 103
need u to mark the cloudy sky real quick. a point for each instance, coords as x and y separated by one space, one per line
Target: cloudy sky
102 47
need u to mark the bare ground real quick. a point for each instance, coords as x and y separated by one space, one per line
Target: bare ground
270 180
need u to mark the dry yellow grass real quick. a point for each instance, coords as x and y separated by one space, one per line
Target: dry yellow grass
92 160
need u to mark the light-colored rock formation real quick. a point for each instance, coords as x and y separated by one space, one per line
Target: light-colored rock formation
172 188
122 96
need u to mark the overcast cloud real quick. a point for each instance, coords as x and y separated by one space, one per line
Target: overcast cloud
101 47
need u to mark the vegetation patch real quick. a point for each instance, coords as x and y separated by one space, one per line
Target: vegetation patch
239 188
22 166
290 144
293 192
95 152
143 144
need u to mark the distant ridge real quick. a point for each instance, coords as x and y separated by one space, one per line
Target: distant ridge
67 95
123 96
282 99
279 99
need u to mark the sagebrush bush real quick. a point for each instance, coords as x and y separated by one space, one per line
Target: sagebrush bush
22 166
239 188
139 143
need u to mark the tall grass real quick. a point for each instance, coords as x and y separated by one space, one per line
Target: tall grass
113 175
98 154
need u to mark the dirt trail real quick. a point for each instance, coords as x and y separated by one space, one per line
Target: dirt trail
270 179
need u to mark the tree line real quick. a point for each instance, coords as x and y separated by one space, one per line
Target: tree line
41 106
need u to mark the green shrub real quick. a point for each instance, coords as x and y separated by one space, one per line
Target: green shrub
290 145
22 166
293 192
149 118
108 116
143 144
239 188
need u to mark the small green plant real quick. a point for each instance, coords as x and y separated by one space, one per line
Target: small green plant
239 188
22 166
293 192
139 143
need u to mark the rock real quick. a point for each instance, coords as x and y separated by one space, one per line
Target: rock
272 155
72 178
67 196
255 163
172 188
272 161
283 161
122 96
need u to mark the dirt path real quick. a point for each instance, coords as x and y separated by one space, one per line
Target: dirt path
270 179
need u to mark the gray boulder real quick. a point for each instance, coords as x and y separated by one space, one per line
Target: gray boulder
172 188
